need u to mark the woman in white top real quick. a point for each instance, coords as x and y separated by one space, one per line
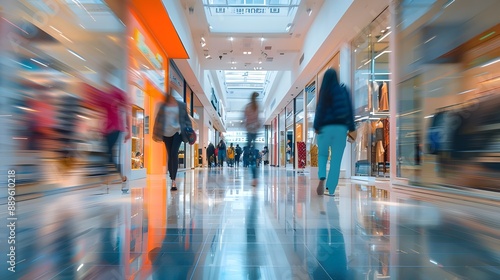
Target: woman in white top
171 121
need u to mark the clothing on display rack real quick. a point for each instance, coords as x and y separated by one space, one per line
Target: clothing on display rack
379 142
362 141
383 97
387 149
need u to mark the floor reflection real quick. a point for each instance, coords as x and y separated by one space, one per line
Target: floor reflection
217 226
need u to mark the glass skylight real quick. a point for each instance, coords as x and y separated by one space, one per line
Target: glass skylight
250 16
254 80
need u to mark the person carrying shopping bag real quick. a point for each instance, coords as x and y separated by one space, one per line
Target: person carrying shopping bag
171 127
333 119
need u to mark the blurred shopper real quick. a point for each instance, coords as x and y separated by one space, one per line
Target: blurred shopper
117 116
265 155
333 119
210 154
172 119
252 124
216 156
230 155
245 156
222 152
237 157
42 120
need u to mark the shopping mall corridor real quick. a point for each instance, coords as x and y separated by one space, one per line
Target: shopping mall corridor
217 226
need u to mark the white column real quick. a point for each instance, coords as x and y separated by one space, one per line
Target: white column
345 77
393 88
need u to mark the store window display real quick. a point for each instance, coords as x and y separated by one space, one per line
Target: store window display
53 71
137 138
448 96
371 82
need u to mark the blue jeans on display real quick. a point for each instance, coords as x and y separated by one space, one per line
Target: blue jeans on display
333 137
252 159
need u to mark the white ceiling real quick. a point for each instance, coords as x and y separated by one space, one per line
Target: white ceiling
272 49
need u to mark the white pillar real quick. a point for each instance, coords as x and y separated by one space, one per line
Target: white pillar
345 77
393 88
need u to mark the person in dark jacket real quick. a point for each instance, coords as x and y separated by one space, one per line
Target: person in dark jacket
237 158
222 152
211 154
333 119
246 155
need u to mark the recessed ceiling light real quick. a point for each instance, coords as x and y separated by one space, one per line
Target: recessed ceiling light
231 38
262 39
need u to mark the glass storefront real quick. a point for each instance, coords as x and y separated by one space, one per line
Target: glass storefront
137 137
311 145
54 76
282 139
289 135
299 131
370 90
146 76
448 97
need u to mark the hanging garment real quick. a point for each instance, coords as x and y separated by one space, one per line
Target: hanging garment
387 139
379 138
362 141
380 152
384 97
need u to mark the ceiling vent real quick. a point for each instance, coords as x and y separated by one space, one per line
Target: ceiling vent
270 59
268 48
282 53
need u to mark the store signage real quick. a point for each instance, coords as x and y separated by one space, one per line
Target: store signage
213 100
175 79
243 139
155 59
249 11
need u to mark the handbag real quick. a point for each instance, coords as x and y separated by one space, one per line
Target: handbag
189 134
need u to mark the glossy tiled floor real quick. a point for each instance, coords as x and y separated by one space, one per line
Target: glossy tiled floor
219 227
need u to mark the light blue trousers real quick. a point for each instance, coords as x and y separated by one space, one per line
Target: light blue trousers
331 137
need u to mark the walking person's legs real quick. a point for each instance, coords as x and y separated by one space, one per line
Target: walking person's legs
172 144
331 137
111 141
252 156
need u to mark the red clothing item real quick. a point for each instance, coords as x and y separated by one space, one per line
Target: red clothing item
113 104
